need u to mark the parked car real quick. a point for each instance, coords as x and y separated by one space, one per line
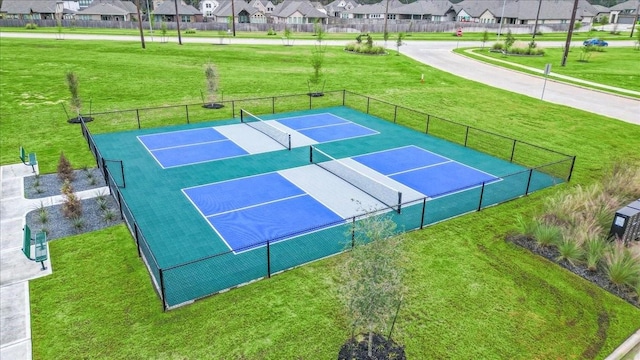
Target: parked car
595 42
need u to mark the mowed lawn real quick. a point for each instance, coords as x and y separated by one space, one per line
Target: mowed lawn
612 66
471 294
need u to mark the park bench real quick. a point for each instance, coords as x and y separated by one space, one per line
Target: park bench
29 160
40 246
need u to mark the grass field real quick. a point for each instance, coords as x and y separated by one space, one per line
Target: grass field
619 67
471 294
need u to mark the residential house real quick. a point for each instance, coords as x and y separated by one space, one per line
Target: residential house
430 10
38 9
245 13
297 12
602 11
337 7
166 11
523 12
625 13
109 10
368 11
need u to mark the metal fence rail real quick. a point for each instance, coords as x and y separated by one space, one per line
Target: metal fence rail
187 282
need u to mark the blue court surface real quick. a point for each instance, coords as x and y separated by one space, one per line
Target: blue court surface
432 175
185 147
247 212
326 127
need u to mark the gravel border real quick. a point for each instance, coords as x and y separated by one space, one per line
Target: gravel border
598 277
41 186
57 226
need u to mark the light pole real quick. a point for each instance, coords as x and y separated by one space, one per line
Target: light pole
504 4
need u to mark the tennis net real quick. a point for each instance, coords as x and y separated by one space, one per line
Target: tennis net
387 195
264 127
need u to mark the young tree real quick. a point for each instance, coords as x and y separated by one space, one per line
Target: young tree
509 41
318 30
212 77
72 84
372 275
485 37
399 42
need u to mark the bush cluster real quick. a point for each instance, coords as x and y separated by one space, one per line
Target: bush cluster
190 31
31 26
577 225
65 170
71 207
526 51
271 32
365 49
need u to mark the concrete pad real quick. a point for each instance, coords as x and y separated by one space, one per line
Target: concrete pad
21 350
12 188
14 314
11 233
16 267
16 208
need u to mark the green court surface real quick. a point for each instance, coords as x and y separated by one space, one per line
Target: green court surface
188 259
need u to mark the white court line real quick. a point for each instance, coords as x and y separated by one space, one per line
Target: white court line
419 168
259 204
191 144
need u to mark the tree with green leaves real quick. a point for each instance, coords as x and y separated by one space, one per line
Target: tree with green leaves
372 287
315 82
509 41
485 37
399 42
318 30
212 78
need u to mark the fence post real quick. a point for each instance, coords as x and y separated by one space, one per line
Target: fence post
135 232
513 150
124 185
273 105
368 100
162 292
344 95
186 109
353 232
573 162
529 181
466 137
424 207
426 131
233 108
481 196
310 106
268 260
138 117
395 114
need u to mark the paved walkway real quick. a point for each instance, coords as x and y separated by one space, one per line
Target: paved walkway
17 270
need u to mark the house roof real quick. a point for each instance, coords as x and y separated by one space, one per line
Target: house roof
109 7
601 9
28 6
368 9
627 5
526 9
224 9
289 7
423 7
169 8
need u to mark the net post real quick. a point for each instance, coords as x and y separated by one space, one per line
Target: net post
466 137
186 109
424 207
268 259
481 196
573 162
513 150
241 115
162 291
289 148
399 202
138 117
311 154
529 181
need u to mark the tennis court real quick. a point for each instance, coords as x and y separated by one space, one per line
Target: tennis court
218 204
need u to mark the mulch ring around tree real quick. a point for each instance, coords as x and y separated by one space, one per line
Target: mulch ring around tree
78 119
382 348
598 277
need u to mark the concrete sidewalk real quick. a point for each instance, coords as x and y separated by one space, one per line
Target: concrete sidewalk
17 270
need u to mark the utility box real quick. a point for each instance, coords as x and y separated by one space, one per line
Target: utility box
626 223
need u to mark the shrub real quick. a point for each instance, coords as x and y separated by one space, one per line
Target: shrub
31 26
65 170
43 215
365 49
102 203
622 265
526 227
108 215
594 252
547 235
271 32
71 207
497 46
78 222
570 249
190 31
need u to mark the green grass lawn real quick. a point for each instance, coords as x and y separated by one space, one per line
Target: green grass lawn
614 66
471 294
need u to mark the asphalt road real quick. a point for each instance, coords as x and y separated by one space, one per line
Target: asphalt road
439 55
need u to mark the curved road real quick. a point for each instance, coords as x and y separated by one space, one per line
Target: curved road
439 55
